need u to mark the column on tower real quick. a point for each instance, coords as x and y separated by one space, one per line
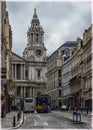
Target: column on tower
28 39
39 38
21 71
42 38
24 92
24 71
15 70
34 39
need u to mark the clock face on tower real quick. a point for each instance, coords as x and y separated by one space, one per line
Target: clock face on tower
38 52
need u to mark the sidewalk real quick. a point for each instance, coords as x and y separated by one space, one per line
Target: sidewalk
7 121
87 119
89 113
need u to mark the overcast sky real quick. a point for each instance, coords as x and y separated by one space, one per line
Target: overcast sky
61 21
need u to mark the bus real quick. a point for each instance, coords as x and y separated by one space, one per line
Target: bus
43 103
29 104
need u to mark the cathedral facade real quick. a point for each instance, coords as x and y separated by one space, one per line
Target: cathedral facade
29 71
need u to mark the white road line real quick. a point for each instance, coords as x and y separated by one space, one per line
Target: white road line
36 123
44 123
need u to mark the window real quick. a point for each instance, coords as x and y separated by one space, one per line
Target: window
28 100
38 73
59 82
59 93
59 73
18 72
67 53
37 38
26 74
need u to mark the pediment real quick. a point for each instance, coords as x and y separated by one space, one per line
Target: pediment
16 57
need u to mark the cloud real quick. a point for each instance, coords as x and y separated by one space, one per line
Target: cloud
61 21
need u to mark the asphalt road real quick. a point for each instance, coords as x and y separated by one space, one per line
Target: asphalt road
54 120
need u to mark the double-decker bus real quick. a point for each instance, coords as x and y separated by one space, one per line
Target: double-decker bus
43 103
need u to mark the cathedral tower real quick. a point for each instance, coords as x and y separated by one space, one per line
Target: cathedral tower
35 56
35 50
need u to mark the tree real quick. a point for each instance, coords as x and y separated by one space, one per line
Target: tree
12 85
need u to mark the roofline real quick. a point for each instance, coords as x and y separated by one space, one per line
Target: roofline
18 56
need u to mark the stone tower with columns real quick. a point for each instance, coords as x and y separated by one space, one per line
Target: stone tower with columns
35 54
35 50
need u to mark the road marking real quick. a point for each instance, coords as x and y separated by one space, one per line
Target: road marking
45 123
37 123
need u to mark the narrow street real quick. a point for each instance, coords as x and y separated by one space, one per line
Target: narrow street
55 120
46 65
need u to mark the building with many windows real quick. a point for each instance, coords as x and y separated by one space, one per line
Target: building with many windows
66 72
53 74
81 72
6 48
55 69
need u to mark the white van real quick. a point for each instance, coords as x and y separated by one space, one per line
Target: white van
29 105
64 108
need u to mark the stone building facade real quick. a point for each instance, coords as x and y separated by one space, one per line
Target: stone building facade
29 71
55 73
6 47
81 72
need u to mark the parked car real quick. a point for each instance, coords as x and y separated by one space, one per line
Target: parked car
64 108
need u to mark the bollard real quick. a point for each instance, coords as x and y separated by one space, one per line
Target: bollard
18 116
14 119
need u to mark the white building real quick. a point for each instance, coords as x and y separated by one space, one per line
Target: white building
29 71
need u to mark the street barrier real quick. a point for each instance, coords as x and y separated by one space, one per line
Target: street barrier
14 121
18 116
